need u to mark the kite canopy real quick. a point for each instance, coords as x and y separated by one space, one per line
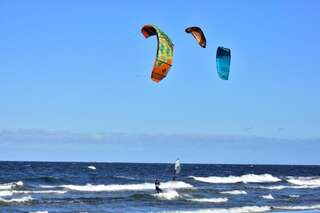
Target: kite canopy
164 56
198 35
223 59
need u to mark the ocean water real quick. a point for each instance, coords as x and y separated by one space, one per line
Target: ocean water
129 187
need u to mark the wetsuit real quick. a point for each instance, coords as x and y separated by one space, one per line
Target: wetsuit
157 185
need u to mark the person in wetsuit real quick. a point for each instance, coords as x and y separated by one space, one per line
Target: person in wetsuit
157 185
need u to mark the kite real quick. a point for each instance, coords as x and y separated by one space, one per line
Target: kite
163 61
198 35
223 59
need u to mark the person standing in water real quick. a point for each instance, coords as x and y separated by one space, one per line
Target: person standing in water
157 186
177 169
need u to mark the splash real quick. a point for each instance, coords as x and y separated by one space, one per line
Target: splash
168 195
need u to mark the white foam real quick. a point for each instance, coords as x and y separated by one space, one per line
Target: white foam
209 200
280 187
234 192
92 167
167 195
298 207
128 187
39 212
249 178
17 200
244 209
41 192
19 183
5 193
47 186
10 185
305 181
269 197
294 196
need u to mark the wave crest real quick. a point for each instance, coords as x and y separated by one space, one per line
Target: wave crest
280 187
17 200
92 167
298 207
244 209
305 181
168 195
269 197
209 200
128 187
234 192
248 178
5 193
39 212
12 185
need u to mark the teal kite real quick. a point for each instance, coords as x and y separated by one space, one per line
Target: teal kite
223 59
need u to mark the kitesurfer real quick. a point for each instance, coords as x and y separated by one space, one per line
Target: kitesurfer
157 186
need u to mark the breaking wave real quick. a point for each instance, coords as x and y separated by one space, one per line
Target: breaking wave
47 186
298 207
249 178
280 187
41 192
168 195
294 196
269 197
6 186
209 200
39 212
10 193
16 200
5 193
92 167
244 209
234 192
305 181
127 187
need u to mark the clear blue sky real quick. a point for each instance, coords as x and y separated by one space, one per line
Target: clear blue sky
84 68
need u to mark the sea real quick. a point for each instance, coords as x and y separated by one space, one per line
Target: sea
58 187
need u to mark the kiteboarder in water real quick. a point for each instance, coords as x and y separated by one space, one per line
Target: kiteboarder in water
157 186
177 169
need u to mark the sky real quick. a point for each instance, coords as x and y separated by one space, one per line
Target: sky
75 82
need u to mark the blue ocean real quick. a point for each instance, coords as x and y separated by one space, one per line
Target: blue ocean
42 187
